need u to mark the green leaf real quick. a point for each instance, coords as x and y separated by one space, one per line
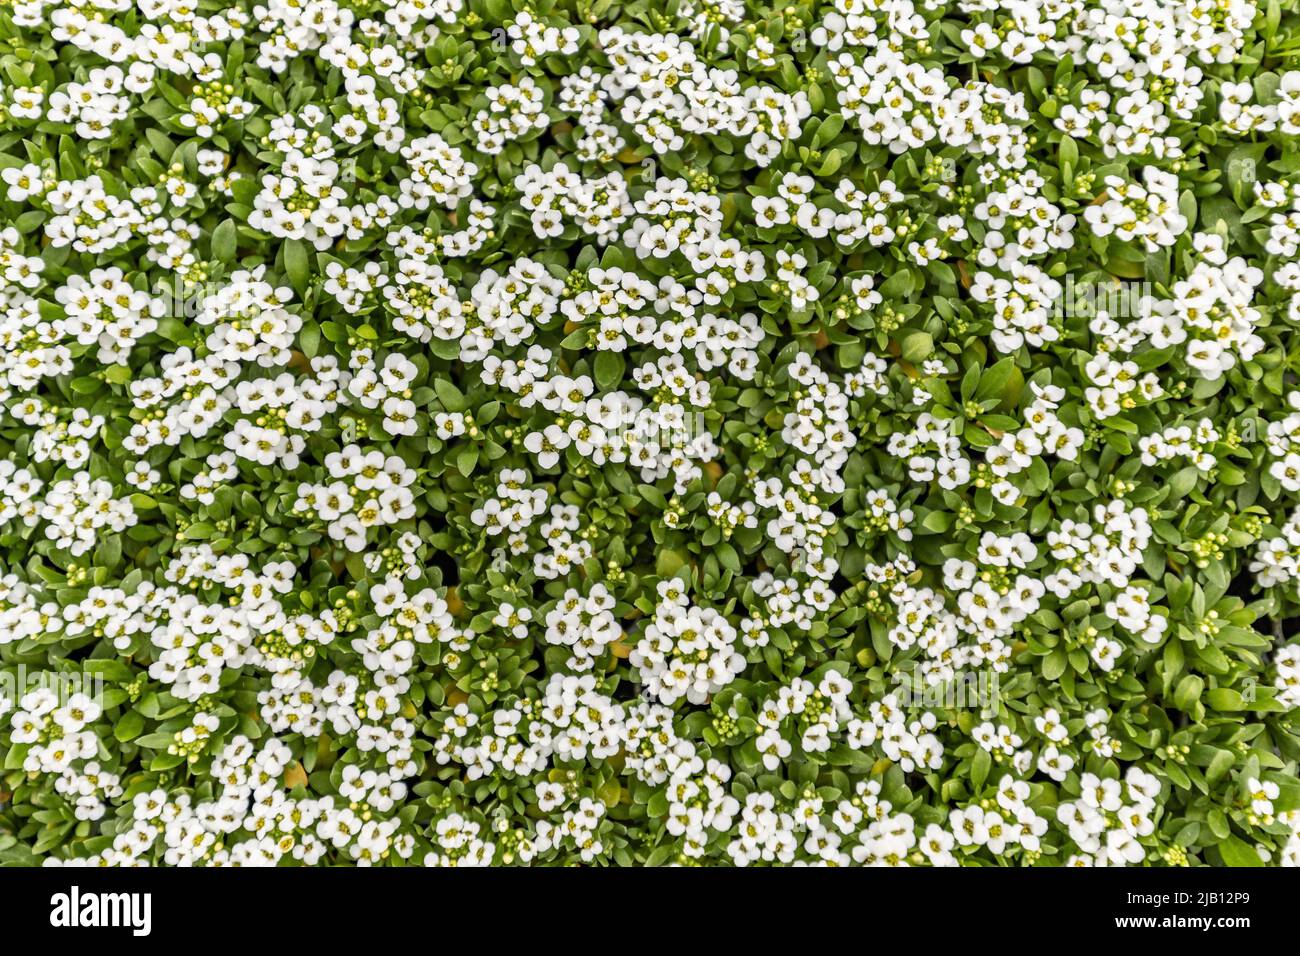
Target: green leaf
296 265
669 561
129 726
1237 852
1054 664
980 766
452 399
224 241
1069 153
917 347
466 460
609 370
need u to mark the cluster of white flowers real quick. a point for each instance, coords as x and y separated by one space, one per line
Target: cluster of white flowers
932 452
76 511
1182 441
58 742
94 106
367 490
512 112
686 651
1022 304
571 720
583 623
1108 549
1147 211
1110 817
1211 312
1016 451
646 83
556 198
817 711
1277 559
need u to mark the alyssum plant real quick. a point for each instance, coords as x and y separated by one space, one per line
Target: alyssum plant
459 432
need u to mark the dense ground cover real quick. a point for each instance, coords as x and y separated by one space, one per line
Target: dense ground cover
449 432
